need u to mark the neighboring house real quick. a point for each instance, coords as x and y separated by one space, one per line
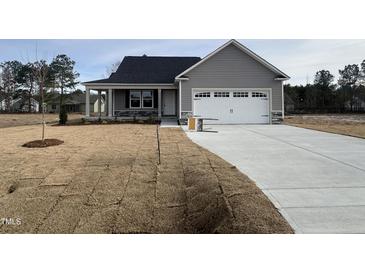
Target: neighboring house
231 84
20 105
75 102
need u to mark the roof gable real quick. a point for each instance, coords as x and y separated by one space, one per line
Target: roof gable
280 75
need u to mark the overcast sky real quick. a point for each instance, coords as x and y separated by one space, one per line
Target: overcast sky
300 59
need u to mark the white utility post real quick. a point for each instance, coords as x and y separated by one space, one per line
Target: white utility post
110 103
87 103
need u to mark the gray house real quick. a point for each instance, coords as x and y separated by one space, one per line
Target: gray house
232 84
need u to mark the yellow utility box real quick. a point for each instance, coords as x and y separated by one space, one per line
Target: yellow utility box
191 123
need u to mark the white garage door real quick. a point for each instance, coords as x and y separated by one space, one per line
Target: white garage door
232 106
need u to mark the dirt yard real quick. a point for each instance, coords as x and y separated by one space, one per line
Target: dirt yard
106 179
346 124
21 119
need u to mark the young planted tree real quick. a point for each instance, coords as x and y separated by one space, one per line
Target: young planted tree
41 72
64 77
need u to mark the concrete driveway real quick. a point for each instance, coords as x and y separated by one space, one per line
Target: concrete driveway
316 179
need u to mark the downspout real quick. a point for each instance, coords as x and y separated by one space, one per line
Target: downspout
179 99
282 101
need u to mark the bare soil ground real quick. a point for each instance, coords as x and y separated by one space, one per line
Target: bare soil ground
21 119
106 179
346 124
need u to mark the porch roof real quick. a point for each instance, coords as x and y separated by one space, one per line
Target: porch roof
147 70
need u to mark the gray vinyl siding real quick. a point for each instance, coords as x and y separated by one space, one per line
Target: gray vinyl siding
231 68
119 97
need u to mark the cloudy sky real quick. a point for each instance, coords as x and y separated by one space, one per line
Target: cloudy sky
300 59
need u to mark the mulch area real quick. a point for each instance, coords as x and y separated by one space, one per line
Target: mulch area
43 143
106 179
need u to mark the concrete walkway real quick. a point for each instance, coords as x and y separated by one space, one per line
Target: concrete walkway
169 122
315 179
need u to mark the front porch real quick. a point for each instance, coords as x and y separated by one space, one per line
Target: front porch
126 103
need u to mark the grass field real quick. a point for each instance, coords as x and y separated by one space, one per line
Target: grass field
351 125
21 119
108 179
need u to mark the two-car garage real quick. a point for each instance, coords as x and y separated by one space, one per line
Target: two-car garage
233 106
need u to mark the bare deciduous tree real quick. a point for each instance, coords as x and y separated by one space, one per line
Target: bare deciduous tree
41 73
111 69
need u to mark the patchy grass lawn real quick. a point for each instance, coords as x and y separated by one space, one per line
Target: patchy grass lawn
106 179
351 125
21 119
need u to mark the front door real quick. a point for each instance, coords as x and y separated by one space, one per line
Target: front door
168 102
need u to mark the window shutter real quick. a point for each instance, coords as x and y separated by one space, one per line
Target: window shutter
127 99
155 99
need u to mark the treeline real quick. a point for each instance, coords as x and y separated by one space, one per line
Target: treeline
327 96
34 79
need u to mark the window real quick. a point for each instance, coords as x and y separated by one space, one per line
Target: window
259 94
141 99
54 106
240 94
221 94
135 99
202 94
147 99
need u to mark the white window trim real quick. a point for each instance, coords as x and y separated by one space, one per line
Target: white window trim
142 99
259 93
241 94
202 92
130 99
141 104
217 94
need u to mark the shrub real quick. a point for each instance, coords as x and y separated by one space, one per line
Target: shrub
63 116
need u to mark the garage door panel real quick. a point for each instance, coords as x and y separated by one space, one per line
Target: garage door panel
253 109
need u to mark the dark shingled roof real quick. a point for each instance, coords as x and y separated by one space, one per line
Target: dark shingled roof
149 70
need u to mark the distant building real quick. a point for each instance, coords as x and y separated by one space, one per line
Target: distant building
74 102
20 105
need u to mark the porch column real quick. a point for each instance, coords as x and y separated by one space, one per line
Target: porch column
99 103
159 103
87 103
106 103
110 102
